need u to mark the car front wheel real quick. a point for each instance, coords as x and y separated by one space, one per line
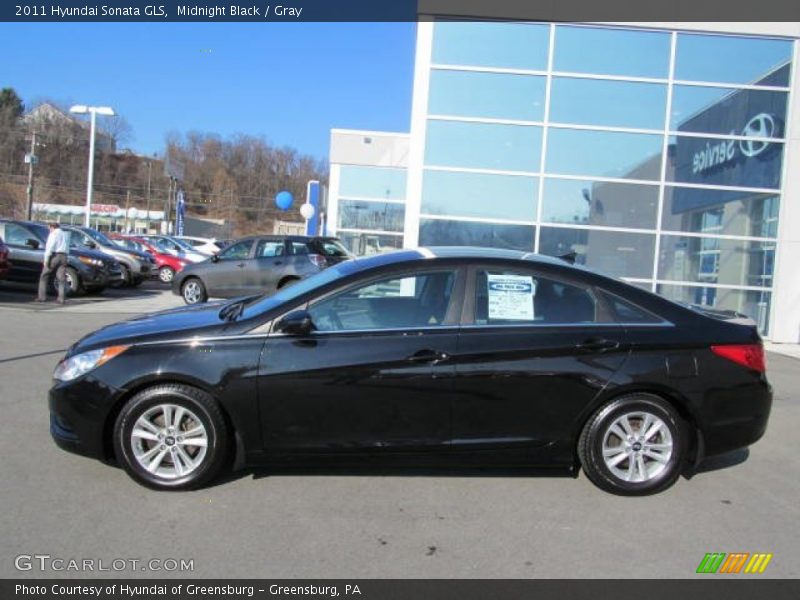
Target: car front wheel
171 437
193 291
633 446
165 274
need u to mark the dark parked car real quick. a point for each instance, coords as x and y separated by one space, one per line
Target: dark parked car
257 265
88 271
136 266
4 264
459 355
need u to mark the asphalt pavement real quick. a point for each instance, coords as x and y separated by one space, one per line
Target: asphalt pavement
349 524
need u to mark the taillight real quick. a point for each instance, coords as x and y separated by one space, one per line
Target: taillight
750 356
318 260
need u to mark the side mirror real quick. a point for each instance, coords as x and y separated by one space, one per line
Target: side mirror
215 258
297 322
31 243
91 244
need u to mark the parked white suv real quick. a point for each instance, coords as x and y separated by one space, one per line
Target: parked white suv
204 245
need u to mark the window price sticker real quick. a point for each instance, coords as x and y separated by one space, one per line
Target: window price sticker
511 297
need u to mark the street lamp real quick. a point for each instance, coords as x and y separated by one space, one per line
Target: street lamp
82 109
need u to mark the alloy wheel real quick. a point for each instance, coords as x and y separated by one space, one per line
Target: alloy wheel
637 447
192 292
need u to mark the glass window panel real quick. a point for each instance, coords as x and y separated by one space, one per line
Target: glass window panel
589 202
754 304
525 298
269 248
491 44
237 251
479 195
395 302
366 244
377 216
716 260
438 232
738 212
731 59
608 103
608 51
490 95
483 145
372 182
604 153
747 162
700 109
615 253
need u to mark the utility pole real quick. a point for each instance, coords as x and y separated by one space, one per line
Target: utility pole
31 160
149 172
127 211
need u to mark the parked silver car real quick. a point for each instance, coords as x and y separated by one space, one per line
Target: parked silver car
136 266
257 265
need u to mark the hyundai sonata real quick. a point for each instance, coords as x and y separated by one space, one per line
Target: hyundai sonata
453 354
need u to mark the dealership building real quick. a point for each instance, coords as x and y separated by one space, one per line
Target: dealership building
660 153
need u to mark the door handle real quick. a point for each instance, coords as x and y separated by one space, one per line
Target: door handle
428 356
597 344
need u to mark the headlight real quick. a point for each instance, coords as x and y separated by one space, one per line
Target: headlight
80 364
95 262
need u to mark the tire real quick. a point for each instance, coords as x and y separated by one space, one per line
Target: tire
141 437
127 277
73 283
166 274
193 291
287 282
616 458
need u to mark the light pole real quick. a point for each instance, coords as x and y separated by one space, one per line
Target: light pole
82 109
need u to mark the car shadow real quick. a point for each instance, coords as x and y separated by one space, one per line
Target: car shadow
23 294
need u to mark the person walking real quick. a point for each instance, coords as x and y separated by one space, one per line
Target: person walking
55 259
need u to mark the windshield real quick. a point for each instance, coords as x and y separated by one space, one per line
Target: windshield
183 244
292 292
97 237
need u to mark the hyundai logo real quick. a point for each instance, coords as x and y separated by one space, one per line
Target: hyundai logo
760 126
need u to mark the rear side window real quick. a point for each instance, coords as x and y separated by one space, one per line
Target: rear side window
269 248
624 311
511 297
332 248
298 248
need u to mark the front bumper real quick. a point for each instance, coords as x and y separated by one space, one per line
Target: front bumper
79 412
93 276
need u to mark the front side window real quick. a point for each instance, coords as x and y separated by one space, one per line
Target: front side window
511 297
237 251
397 302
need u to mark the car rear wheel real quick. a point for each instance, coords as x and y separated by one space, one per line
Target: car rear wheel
171 437
166 274
633 446
193 291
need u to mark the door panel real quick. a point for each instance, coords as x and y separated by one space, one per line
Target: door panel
226 277
26 262
357 392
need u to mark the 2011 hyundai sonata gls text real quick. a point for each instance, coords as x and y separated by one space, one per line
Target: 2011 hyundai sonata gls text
458 355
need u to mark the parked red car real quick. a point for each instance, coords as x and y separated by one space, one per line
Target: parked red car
166 264
4 264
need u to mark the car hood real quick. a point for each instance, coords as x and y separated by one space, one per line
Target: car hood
89 253
169 324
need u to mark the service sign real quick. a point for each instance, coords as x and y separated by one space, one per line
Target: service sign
511 297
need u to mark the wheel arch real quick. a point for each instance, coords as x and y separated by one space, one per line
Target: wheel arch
286 279
111 418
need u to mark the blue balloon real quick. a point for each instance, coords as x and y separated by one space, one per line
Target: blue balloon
283 200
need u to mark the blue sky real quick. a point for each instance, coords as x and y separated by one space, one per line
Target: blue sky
291 82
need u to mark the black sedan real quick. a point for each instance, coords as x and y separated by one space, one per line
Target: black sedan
452 354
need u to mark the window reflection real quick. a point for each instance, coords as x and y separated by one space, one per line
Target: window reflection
488 95
607 51
740 213
377 216
604 153
716 260
754 304
372 182
714 161
439 232
725 111
619 254
483 145
732 59
510 197
491 44
606 203
366 244
608 103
